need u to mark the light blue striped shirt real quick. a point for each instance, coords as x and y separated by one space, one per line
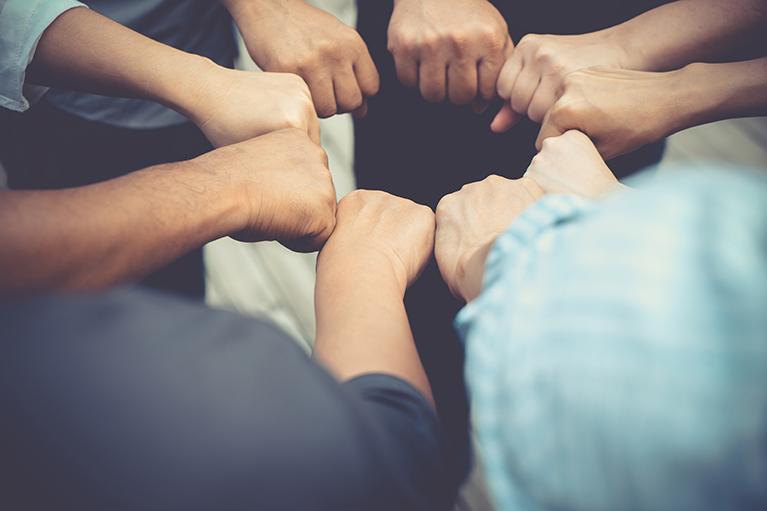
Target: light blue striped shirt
22 23
617 357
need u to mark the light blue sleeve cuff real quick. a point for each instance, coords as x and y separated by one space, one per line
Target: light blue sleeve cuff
22 23
520 236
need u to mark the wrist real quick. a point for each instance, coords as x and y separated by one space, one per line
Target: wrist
368 267
631 52
690 94
189 86
224 203
470 271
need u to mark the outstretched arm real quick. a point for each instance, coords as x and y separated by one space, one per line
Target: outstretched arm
668 37
622 110
80 239
85 51
380 246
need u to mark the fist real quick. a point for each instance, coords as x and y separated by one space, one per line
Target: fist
282 186
570 164
468 223
449 49
382 227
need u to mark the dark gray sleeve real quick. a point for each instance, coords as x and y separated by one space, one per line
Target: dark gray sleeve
133 400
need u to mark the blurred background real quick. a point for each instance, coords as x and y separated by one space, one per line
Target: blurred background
268 281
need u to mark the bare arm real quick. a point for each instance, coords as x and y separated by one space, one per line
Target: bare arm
676 34
668 37
273 187
85 51
379 248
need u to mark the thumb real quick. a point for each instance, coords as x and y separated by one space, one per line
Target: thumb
505 119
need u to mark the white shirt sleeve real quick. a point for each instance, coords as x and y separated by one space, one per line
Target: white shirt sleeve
22 23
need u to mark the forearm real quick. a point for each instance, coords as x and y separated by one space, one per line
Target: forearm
362 326
85 51
702 93
685 31
96 236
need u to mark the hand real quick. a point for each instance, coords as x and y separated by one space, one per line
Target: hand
530 78
390 230
570 164
620 110
292 36
468 223
283 181
231 106
452 49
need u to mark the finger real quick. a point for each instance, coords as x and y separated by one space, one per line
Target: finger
479 105
348 96
504 119
323 95
508 75
314 130
549 128
361 111
462 82
407 70
432 80
524 89
544 98
367 76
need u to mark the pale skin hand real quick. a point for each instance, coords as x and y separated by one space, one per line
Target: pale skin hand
449 48
570 164
292 36
665 38
468 223
622 110
379 247
530 78
230 106
85 51
97 236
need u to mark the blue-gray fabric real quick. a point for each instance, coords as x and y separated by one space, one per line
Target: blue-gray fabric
22 23
133 400
203 27
617 357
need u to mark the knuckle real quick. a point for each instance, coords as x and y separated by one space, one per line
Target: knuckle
350 101
444 204
429 42
405 42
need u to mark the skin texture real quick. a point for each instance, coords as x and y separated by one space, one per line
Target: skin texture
530 78
449 49
82 50
379 247
93 237
621 110
570 164
292 36
468 223
665 38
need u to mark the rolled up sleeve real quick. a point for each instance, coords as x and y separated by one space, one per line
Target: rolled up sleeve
22 23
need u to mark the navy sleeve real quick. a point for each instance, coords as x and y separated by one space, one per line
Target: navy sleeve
132 400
